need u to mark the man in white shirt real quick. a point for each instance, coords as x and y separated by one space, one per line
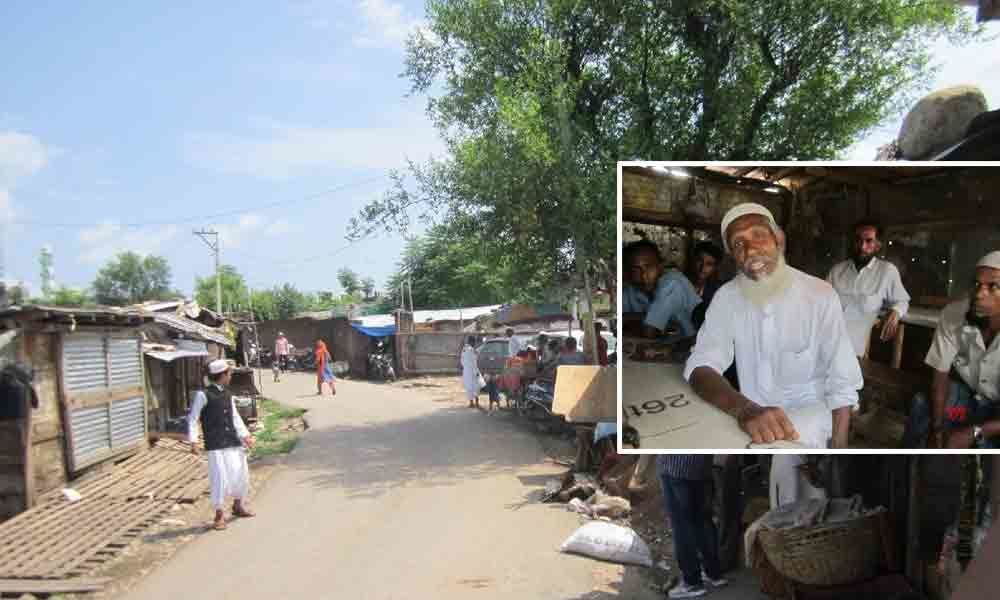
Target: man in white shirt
866 284
225 436
514 345
785 330
965 355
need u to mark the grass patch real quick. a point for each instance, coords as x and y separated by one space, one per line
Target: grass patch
271 441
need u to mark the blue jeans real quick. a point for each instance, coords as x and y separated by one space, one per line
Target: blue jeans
962 409
689 505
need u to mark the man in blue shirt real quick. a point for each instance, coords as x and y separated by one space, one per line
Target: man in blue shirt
663 295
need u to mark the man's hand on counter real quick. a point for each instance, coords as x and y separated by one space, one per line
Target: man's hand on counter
767 424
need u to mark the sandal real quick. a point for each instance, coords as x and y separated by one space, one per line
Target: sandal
219 525
242 512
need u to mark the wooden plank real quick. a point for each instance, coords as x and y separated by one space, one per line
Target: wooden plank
28 447
101 530
897 346
103 519
103 397
53 586
69 449
586 393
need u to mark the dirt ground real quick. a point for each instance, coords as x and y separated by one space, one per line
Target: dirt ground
186 523
397 490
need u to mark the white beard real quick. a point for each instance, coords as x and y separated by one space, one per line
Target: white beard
769 287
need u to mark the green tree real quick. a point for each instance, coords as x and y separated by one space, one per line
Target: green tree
349 280
368 287
64 296
16 295
452 266
234 290
539 99
130 278
263 305
288 301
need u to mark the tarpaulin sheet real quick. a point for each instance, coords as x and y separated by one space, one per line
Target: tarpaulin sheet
376 331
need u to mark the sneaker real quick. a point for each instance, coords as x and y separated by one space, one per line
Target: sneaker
720 582
683 590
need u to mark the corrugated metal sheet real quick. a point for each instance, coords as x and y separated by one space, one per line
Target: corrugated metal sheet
91 437
128 422
192 328
84 367
126 365
425 316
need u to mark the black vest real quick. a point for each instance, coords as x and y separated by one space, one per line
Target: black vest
217 420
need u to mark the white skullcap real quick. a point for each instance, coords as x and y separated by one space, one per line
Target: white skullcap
991 260
742 210
218 366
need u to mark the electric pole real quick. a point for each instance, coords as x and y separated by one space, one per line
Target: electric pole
214 245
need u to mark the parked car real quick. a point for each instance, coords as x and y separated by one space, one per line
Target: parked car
493 355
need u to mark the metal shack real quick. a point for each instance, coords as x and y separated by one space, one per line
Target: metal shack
87 375
176 349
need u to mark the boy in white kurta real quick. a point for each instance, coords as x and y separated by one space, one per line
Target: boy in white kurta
225 437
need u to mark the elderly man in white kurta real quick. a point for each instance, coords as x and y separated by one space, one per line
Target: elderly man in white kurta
225 437
785 330
866 285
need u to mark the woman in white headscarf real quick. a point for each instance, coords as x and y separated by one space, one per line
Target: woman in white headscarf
470 372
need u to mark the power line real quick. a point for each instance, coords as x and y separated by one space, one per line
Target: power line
188 220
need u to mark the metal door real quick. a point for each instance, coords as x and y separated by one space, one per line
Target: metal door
84 362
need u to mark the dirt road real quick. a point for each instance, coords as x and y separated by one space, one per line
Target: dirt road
396 493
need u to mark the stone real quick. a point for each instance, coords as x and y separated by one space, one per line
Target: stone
939 120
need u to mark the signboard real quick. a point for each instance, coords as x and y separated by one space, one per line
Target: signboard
669 415
586 393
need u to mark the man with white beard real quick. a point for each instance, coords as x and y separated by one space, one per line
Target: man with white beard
785 330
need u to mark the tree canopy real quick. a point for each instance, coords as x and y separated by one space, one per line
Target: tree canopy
349 280
234 289
536 101
451 266
130 279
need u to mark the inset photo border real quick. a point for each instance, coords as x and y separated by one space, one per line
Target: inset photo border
853 308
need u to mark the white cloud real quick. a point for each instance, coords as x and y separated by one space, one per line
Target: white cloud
279 227
100 233
7 213
386 25
233 235
21 155
282 150
101 246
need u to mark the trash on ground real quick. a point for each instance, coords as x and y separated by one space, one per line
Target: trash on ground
608 542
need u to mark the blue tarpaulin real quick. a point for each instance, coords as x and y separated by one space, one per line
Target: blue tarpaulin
376 331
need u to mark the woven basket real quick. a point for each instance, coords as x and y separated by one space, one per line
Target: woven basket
828 554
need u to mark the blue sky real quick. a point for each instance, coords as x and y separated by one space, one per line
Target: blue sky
171 112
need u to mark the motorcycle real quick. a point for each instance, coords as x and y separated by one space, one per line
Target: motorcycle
307 361
539 395
380 364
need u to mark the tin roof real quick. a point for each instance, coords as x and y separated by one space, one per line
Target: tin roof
98 315
192 328
423 316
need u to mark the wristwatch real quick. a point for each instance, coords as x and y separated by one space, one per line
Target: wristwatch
977 434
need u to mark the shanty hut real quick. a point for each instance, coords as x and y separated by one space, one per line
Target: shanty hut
176 349
88 404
